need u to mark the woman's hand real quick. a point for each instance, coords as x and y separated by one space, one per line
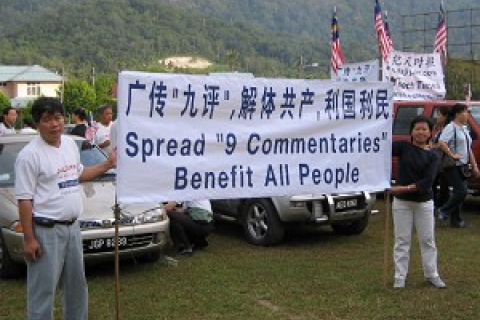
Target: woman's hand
395 190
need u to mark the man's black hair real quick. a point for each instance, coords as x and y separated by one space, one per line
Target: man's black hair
104 107
46 105
7 110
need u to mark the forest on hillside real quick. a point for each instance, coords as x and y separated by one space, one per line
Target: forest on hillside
276 38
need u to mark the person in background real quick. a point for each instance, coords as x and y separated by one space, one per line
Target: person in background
190 224
9 117
47 176
28 127
441 191
80 121
413 202
457 144
102 130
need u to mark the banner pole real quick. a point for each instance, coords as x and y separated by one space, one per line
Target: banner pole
386 238
117 260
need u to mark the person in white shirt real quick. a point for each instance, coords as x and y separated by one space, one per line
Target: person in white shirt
9 117
47 176
102 128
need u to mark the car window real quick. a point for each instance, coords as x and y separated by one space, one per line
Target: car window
404 116
8 154
89 155
475 112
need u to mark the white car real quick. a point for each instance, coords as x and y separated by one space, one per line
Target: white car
143 229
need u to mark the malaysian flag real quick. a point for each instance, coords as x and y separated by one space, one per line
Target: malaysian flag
441 36
384 43
337 55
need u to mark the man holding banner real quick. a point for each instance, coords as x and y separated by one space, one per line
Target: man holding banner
47 176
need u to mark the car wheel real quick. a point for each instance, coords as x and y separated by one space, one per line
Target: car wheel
8 267
261 223
353 227
150 257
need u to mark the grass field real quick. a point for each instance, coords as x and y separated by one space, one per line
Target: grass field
313 274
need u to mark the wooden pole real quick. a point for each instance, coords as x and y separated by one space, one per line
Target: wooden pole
386 256
117 261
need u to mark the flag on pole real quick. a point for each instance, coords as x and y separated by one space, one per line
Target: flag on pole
337 55
441 36
387 32
384 44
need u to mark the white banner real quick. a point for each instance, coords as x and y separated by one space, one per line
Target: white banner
417 76
357 72
183 137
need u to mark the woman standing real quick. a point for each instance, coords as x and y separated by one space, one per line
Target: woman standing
441 191
455 141
81 123
413 202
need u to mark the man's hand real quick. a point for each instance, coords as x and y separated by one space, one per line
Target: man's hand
32 250
112 158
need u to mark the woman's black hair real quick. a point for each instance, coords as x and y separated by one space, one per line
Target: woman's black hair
456 109
81 113
46 105
421 119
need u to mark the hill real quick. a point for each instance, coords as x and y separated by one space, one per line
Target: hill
115 34
269 38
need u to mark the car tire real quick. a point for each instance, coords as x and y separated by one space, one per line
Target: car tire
353 227
8 268
261 223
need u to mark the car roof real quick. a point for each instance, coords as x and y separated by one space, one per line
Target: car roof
26 137
436 102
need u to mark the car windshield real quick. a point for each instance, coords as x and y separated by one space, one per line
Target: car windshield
475 112
89 155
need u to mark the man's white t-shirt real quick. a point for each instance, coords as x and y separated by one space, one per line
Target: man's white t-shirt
202 204
102 134
50 177
5 130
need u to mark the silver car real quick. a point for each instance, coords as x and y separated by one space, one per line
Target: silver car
142 228
265 220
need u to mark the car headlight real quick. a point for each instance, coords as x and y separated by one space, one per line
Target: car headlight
150 216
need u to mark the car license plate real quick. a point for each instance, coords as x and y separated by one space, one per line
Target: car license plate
106 243
346 204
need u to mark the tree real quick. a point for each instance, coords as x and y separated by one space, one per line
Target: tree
78 93
233 59
103 88
4 100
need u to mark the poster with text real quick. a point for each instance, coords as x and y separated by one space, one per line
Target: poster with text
416 76
185 137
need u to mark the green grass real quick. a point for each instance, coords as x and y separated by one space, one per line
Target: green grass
313 274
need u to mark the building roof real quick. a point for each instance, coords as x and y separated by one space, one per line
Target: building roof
33 73
21 102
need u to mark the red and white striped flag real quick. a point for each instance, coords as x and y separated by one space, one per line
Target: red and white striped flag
441 36
337 55
387 32
386 45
